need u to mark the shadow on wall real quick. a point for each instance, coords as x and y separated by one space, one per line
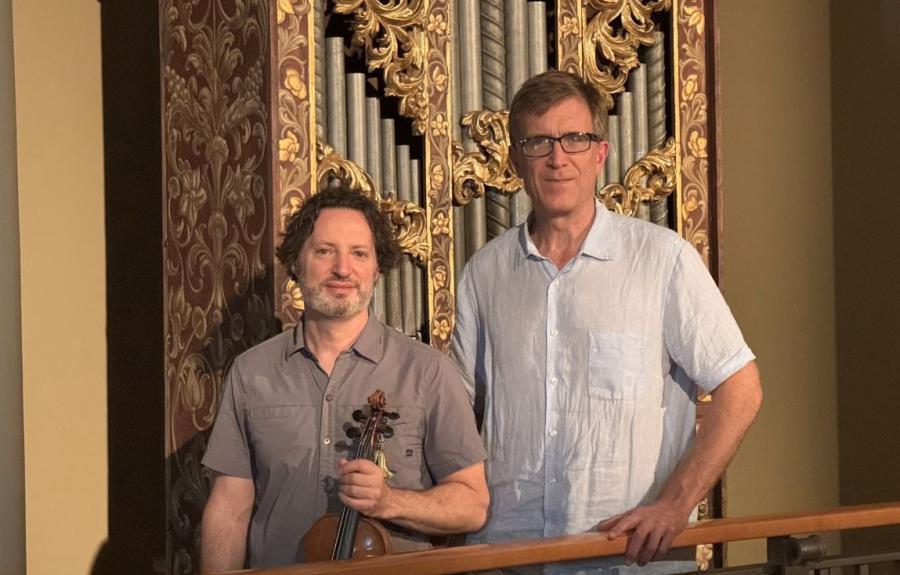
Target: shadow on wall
136 383
865 68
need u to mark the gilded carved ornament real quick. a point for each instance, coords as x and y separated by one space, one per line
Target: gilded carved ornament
487 166
393 34
408 219
613 35
650 178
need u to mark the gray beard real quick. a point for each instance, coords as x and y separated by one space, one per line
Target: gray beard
317 299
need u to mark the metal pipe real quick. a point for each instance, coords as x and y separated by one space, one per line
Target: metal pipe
320 91
469 101
373 165
356 119
336 97
613 167
517 35
626 141
493 59
415 165
407 291
393 311
637 86
458 212
537 39
656 112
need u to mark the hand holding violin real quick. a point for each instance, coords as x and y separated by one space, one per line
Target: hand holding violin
363 488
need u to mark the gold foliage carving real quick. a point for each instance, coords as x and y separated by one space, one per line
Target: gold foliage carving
650 178
216 214
292 124
489 166
570 35
408 219
393 33
613 34
693 122
703 556
438 179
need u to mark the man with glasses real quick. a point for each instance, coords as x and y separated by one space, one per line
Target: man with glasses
589 336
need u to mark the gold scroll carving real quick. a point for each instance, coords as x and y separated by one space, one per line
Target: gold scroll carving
650 178
489 165
614 32
408 219
393 35
408 40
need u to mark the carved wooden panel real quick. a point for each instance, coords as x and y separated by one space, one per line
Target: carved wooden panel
216 231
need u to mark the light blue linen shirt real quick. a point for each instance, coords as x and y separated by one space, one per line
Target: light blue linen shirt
589 373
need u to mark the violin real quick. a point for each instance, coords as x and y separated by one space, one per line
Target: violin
349 535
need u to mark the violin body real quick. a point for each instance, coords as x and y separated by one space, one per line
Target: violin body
349 535
371 539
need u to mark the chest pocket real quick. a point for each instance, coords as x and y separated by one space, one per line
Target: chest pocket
282 434
404 450
616 365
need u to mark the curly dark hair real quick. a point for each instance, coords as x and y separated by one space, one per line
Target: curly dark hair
301 224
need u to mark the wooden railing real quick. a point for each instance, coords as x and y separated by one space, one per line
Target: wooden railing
536 551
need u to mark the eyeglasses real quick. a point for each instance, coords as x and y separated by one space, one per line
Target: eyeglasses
540 146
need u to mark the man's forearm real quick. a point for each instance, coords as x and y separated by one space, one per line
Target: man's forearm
734 406
443 509
223 533
457 504
223 544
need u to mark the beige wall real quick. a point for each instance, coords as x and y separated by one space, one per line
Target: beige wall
779 279
60 181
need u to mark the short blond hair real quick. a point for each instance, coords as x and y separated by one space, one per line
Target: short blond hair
539 93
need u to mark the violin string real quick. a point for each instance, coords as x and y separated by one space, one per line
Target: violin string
364 449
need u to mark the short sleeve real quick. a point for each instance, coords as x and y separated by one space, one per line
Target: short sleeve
466 342
452 442
227 451
700 332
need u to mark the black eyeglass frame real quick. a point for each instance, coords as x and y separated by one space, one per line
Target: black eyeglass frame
592 137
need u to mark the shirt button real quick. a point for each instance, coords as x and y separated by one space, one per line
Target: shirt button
554 381
327 441
552 480
329 397
553 332
552 433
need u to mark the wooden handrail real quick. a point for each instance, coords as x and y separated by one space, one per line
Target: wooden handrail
587 545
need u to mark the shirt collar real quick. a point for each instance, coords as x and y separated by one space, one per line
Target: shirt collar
369 344
599 243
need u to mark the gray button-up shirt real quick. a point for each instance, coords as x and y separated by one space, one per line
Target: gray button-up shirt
283 423
590 372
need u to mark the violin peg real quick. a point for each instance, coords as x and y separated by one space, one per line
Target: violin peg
353 433
359 416
387 432
392 415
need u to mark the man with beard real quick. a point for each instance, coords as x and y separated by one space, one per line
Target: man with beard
279 447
